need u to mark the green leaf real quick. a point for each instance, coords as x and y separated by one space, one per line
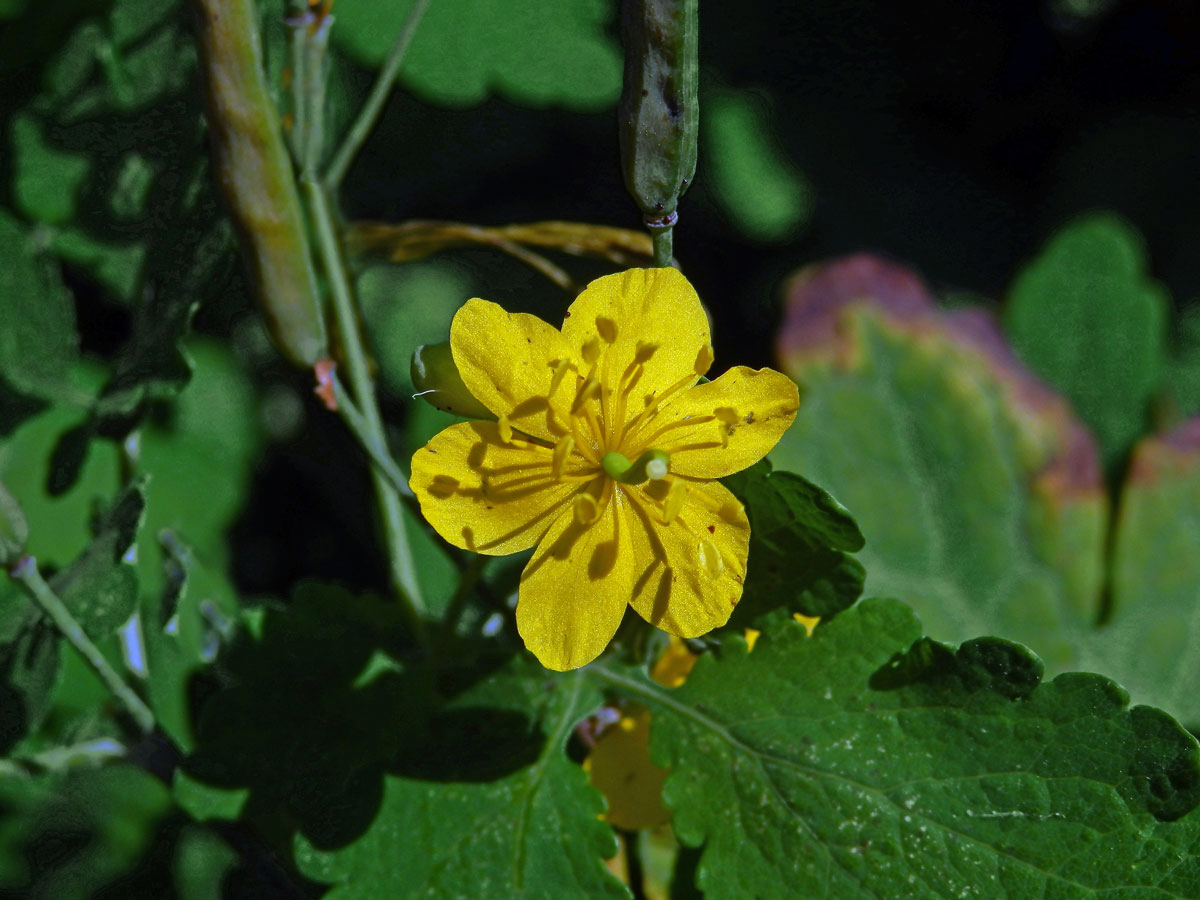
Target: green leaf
1086 316
496 808
978 492
68 836
29 666
38 343
1183 376
199 461
58 521
534 52
1151 641
48 180
799 536
753 181
859 766
397 779
109 147
100 587
406 306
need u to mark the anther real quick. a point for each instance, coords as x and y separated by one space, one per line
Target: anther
732 511
710 558
506 431
586 509
607 329
643 351
704 359
591 351
589 391
674 501
562 450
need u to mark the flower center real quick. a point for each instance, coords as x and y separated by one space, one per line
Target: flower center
652 465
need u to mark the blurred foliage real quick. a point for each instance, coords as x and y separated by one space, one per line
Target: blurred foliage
211 525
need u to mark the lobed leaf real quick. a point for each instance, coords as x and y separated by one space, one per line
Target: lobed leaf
978 491
800 541
1086 317
867 762
1149 641
537 52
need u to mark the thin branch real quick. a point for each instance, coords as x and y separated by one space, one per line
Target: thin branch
404 574
380 91
25 572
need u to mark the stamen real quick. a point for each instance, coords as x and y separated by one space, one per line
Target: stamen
674 501
561 367
587 391
728 417
643 351
586 509
710 558
653 403
562 450
726 414
704 359
607 329
732 510
506 431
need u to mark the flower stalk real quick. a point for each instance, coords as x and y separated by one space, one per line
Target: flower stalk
25 572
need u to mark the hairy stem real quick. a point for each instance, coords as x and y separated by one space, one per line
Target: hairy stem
403 570
26 573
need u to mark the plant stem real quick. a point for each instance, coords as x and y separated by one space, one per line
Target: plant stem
404 575
379 456
313 140
664 250
633 863
369 114
26 573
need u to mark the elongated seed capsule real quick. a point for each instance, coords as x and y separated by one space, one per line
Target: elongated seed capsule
256 178
659 112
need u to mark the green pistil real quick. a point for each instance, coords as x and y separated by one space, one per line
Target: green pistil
619 468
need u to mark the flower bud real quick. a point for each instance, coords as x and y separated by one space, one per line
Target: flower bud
439 383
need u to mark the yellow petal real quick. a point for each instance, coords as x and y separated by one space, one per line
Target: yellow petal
715 429
638 309
688 575
619 767
507 360
575 589
484 494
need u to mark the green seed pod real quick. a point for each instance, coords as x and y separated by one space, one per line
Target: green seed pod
436 378
255 177
659 112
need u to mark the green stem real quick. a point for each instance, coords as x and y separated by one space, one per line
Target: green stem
26 573
404 573
380 91
664 250
299 37
379 456
634 871
314 92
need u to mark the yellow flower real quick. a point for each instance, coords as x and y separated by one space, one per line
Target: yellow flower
603 457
